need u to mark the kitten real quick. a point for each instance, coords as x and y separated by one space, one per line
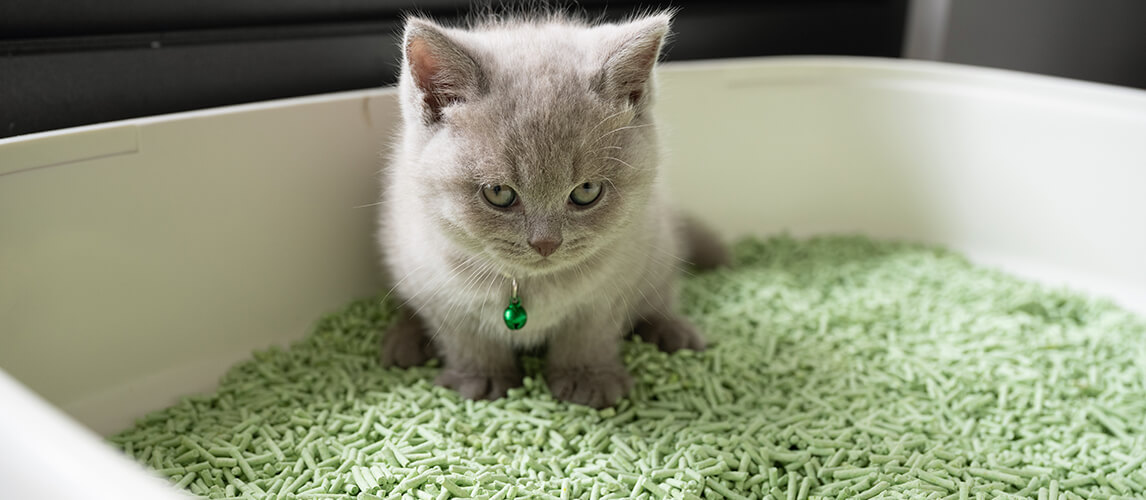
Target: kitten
528 153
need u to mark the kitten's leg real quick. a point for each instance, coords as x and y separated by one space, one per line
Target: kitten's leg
477 367
405 343
659 323
670 332
584 365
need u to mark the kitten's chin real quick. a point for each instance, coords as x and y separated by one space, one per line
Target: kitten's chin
526 268
539 266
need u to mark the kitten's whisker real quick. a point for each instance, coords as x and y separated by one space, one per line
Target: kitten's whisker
623 162
658 291
627 127
488 289
472 275
603 120
580 267
637 252
461 297
468 260
677 266
603 148
618 129
621 293
615 188
380 202
495 273
674 256
391 290
669 254
643 296
598 171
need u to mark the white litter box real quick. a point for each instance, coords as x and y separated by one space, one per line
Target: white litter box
139 259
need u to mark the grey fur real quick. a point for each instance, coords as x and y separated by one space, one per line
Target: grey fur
543 106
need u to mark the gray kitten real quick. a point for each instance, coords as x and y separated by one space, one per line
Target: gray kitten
528 154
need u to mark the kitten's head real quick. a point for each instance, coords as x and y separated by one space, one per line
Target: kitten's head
530 141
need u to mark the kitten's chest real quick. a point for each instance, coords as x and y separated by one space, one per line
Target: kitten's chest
546 306
543 307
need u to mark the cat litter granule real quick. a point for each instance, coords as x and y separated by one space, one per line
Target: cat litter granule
840 367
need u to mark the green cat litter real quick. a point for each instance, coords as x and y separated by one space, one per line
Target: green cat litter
839 367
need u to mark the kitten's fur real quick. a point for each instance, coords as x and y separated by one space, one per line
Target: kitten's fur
541 105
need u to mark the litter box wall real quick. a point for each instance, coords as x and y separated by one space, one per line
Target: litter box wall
140 259
1042 176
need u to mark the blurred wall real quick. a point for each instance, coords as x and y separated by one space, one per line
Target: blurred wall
65 63
1098 40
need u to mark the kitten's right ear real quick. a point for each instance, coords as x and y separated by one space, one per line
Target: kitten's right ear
441 70
627 73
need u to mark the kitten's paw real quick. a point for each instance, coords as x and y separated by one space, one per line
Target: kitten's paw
478 386
595 386
405 344
670 334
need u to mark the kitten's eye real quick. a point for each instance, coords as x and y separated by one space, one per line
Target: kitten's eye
585 194
500 196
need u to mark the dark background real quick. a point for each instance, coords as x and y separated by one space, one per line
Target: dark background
65 63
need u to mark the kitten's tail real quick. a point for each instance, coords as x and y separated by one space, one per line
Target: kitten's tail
702 245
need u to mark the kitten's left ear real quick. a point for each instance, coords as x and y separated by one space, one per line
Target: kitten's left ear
628 69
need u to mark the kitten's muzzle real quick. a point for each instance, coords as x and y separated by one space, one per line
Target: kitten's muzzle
545 246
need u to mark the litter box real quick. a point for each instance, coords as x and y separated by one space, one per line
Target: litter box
139 259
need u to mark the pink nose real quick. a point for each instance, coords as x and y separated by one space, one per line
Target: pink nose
545 247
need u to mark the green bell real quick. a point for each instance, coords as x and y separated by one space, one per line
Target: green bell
514 314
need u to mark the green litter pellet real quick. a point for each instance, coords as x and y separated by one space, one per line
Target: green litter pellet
839 367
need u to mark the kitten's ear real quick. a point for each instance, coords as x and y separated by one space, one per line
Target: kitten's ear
629 67
441 70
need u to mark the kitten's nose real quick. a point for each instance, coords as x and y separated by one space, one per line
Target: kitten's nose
545 247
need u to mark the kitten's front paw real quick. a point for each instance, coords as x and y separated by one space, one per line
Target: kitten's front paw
595 386
477 385
405 344
670 334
